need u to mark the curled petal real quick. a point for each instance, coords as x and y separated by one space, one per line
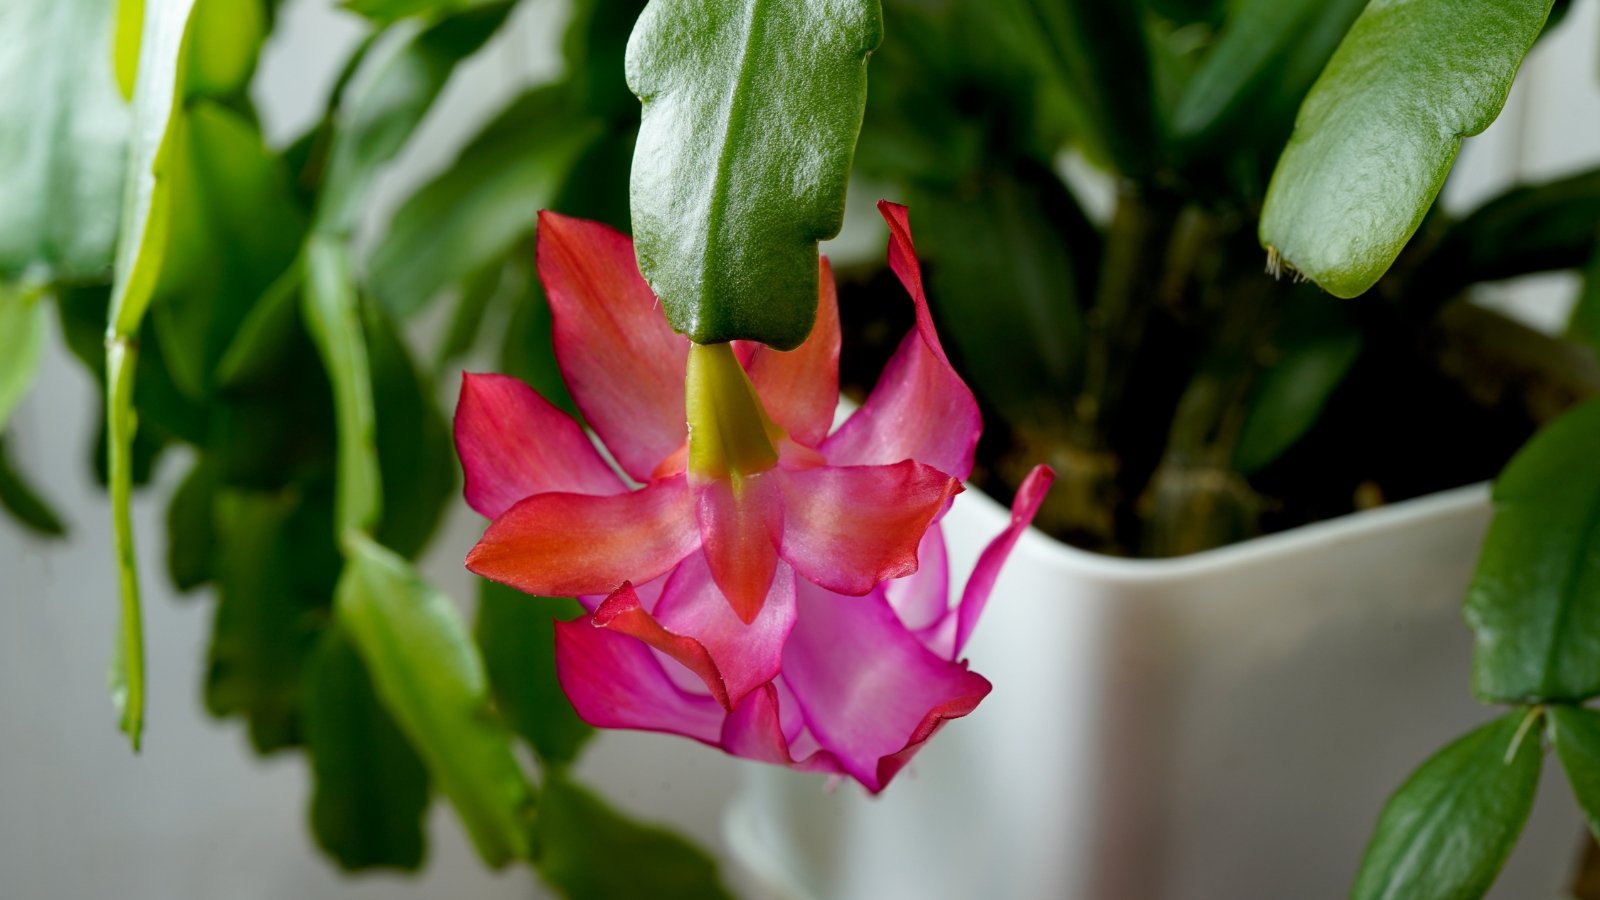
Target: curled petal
920 408
754 731
621 360
513 444
870 692
849 528
923 598
563 545
622 614
741 524
800 388
615 681
975 596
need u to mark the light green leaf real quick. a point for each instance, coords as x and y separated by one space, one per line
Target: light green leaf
429 676
125 44
1380 129
1534 602
1575 732
370 789
1447 831
416 456
387 96
333 315
589 851
482 205
517 635
22 333
751 112
62 133
227 39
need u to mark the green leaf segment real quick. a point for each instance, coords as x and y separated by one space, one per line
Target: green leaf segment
751 112
1381 127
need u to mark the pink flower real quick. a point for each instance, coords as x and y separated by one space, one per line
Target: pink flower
846 668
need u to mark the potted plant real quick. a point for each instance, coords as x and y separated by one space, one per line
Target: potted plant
1185 399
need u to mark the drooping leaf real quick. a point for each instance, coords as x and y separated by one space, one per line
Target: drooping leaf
1575 733
23 503
1530 228
1447 831
333 316
387 96
517 635
1584 326
191 527
751 112
477 293
370 789
386 11
1313 349
416 456
275 573
583 844
594 49
484 203
431 679
1380 129
223 51
22 333
1534 601
63 128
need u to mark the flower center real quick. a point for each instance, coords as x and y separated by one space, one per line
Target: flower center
729 432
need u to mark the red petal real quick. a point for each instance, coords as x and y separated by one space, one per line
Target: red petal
920 408
622 361
741 527
849 528
614 681
513 444
871 693
800 388
562 545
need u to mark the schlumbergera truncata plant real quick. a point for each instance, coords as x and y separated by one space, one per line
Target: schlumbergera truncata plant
1271 326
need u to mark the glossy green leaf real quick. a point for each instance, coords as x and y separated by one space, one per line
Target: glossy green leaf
1380 129
22 334
589 851
1530 228
431 679
1534 601
484 203
1447 831
276 569
63 128
23 503
333 316
1267 49
1312 351
369 788
1575 733
751 112
191 527
387 96
1098 56
416 455
517 635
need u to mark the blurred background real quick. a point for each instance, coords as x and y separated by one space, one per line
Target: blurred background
197 814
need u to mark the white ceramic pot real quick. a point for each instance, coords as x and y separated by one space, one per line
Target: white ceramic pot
1225 725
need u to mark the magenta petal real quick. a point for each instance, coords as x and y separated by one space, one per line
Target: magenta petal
848 528
513 444
563 545
800 388
745 655
741 524
622 361
871 693
615 681
753 731
923 597
975 596
622 614
920 408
